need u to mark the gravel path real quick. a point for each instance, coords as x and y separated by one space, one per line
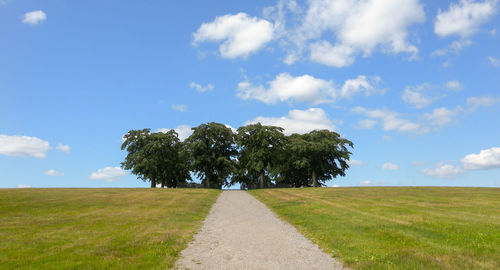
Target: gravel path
242 233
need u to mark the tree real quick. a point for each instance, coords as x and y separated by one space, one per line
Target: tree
259 147
294 165
315 157
134 142
157 157
182 168
245 178
171 158
211 151
328 155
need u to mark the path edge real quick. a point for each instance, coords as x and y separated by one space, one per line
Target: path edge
282 218
198 230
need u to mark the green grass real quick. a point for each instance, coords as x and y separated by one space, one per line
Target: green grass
98 228
397 227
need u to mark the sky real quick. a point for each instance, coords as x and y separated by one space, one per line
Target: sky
414 84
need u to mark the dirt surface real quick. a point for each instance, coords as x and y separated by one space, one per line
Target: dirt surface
242 233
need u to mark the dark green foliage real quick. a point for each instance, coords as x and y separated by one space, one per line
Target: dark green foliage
260 147
156 157
313 158
328 155
293 168
136 160
257 156
211 151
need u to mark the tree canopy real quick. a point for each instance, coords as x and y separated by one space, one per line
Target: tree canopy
293 166
259 150
315 157
211 152
328 155
256 156
156 157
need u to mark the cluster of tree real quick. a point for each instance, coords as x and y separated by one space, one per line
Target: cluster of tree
255 156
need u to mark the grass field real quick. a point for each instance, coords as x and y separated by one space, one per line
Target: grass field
397 227
98 228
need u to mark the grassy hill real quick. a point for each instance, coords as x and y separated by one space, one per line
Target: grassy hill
98 228
397 227
366 228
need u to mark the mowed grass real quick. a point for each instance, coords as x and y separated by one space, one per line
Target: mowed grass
397 227
98 228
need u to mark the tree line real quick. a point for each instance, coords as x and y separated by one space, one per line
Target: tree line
256 156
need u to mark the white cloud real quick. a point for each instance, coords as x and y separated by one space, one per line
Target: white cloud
367 123
53 172
442 116
463 19
179 107
240 34
476 102
332 33
416 97
306 88
390 166
425 94
361 84
390 120
286 87
200 88
494 61
108 174
454 85
23 146
372 183
358 27
183 131
486 159
380 22
34 17
298 121
63 147
455 47
442 170
354 162
23 186
323 52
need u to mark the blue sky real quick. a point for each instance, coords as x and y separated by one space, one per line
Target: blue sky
414 84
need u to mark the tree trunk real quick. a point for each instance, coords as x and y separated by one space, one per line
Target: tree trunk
153 183
207 182
261 180
315 182
162 184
